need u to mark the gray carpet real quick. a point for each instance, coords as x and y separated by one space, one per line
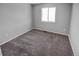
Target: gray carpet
38 43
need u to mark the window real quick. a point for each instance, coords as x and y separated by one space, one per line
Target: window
48 14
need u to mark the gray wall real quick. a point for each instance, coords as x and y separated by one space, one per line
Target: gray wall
63 16
15 19
74 29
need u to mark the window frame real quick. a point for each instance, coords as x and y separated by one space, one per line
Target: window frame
54 20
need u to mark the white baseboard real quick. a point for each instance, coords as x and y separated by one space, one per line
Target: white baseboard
54 32
61 33
27 31
0 52
14 37
71 43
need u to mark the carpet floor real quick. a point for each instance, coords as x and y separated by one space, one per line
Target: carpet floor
38 43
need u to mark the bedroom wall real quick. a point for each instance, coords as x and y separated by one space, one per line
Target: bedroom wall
63 17
74 29
15 19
